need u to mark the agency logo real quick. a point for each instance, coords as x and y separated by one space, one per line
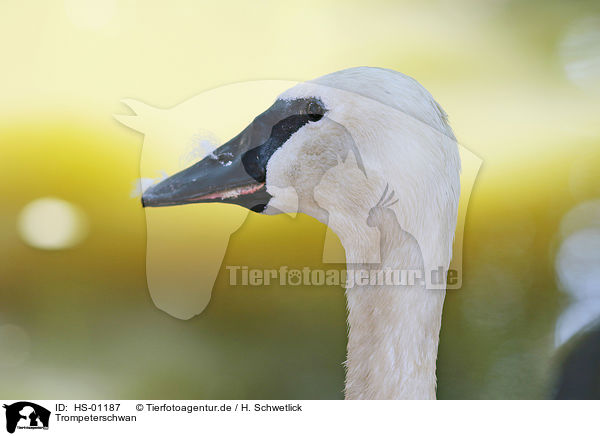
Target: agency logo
26 415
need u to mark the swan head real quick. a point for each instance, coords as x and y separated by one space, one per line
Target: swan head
331 146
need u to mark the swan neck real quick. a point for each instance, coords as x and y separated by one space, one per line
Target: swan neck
393 328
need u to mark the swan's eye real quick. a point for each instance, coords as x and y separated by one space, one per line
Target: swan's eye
314 111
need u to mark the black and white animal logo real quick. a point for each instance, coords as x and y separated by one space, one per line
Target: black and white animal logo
26 415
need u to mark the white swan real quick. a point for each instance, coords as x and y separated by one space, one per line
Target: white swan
369 152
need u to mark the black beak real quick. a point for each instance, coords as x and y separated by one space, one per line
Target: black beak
236 172
219 177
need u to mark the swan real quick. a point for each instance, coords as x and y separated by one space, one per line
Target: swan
370 153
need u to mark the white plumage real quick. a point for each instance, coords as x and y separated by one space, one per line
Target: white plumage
404 141
368 152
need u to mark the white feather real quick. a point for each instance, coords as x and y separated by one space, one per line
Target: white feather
404 141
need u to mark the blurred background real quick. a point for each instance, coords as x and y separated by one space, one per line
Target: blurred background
519 79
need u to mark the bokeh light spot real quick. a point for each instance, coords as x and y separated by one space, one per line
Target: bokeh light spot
578 264
580 53
582 216
52 224
577 318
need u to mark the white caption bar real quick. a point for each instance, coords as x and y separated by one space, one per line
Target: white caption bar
299 417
